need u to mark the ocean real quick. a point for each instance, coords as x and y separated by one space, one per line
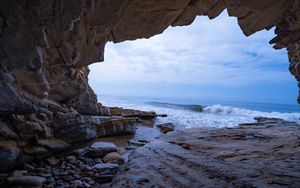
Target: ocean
190 113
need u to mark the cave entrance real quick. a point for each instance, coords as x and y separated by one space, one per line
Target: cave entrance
208 60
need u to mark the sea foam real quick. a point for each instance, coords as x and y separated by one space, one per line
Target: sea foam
189 116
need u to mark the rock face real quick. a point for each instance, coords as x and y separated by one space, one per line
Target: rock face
46 47
265 154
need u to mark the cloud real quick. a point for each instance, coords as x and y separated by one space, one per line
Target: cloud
204 53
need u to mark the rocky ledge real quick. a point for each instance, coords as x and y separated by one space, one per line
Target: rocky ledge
30 137
262 154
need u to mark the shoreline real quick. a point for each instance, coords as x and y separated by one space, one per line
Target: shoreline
155 159
262 154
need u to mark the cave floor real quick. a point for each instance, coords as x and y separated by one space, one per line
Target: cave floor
251 155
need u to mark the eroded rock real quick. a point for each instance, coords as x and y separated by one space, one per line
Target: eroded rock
100 149
166 127
113 157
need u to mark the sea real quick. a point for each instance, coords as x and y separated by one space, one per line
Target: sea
190 113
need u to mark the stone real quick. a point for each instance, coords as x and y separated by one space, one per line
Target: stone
104 178
54 144
100 149
166 127
52 161
106 168
77 133
19 172
77 184
28 167
35 150
116 111
119 126
26 181
78 152
30 126
113 157
71 158
8 154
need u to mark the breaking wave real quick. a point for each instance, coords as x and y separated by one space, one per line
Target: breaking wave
228 110
217 115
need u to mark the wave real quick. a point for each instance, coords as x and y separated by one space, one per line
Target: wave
233 111
191 107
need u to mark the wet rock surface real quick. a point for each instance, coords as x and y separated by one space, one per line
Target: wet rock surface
263 154
166 127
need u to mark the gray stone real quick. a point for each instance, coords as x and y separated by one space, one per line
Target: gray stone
54 144
100 149
106 168
77 133
166 127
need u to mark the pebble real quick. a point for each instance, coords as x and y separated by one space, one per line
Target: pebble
52 161
73 170
113 157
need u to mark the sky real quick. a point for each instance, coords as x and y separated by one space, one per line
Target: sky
207 59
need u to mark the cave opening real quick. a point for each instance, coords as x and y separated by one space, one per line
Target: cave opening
208 62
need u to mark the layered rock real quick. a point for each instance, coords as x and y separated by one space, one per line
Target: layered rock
45 46
35 136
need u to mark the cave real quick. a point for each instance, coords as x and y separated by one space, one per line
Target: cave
47 45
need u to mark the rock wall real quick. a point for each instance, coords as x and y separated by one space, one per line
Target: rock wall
46 46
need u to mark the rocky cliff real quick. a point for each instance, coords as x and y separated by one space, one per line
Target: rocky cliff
46 46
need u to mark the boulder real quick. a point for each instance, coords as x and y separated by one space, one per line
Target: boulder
113 157
54 144
100 149
119 126
77 133
116 111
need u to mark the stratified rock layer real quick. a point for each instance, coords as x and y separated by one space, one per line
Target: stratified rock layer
45 46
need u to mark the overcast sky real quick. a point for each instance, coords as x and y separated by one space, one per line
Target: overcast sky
208 59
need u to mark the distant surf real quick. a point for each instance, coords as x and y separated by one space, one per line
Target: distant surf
191 107
198 115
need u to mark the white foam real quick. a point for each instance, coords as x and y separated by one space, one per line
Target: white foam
232 111
212 116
